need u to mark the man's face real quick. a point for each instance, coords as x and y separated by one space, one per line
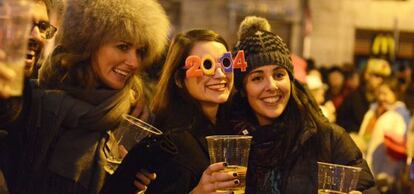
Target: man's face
36 42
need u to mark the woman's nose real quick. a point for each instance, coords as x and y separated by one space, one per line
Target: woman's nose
271 83
219 73
132 59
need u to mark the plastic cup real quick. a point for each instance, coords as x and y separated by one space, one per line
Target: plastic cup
234 150
15 25
334 178
130 131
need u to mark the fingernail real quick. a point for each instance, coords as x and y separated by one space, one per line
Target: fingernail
236 182
235 174
225 164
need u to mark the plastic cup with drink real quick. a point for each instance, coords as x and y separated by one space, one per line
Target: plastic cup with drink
15 25
130 132
337 179
234 150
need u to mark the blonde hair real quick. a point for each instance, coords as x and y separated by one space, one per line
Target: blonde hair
88 24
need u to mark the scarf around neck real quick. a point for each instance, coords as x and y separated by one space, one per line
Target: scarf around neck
74 136
97 109
80 154
93 108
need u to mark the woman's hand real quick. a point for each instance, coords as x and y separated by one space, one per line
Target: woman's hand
212 180
143 178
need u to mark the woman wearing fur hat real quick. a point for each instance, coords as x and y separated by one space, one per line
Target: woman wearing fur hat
289 132
89 80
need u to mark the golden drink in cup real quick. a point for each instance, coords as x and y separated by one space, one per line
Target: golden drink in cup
15 25
337 179
234 150
130 131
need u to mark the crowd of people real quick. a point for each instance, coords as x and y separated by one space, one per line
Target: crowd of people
56 137
374 105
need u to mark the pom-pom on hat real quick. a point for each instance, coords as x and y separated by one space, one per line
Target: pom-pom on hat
261 47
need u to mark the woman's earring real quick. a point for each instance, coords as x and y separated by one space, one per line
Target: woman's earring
177 80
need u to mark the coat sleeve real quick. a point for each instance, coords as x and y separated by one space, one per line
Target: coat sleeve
345 151
10 110
180 173
173 178
150 154
13 109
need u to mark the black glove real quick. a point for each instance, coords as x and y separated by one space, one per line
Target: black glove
150 153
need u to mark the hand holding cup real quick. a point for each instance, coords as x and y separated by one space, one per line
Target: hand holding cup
215 177
6 75
130 131
15 24
234 151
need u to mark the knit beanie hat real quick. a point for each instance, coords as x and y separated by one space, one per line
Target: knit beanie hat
261 47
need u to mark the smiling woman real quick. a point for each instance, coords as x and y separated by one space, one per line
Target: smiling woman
91 78
198 105
290 134
187 107
179 91
269 92
210 89
116 62
137 35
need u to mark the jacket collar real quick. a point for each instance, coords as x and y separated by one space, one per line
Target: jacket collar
246 128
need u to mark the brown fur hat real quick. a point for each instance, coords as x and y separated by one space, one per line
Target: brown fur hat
90 22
